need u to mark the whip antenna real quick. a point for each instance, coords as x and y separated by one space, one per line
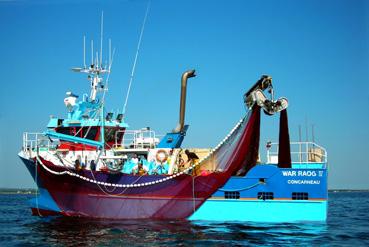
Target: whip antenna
101 36
84 51
109 54
92 52
97 60
135 61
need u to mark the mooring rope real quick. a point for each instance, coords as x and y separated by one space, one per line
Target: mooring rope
38 210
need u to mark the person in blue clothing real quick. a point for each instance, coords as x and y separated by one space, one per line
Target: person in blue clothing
143 160
151 166
127 167
161 168
130 163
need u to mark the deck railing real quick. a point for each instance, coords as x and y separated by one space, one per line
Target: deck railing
33 141
301 153
136 139
143 138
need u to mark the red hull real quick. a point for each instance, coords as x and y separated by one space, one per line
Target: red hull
175 198
44 212
172 199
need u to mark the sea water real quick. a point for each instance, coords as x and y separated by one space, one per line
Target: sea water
347 225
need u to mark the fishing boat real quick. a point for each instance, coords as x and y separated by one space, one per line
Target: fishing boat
90 164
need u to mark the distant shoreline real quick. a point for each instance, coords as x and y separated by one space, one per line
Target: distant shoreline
11 191
347 190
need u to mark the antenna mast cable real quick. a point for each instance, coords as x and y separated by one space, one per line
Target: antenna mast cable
135 61
84 51
101 36
92 52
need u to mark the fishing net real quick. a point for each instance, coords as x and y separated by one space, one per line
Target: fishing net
102 194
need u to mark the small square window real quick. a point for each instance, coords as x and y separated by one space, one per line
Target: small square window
300 196
265 195
232 195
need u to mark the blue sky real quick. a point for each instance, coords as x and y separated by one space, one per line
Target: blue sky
316 51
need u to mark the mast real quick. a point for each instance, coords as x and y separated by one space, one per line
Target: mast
96 73
102 135
102 102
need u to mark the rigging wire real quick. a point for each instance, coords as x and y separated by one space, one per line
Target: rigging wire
108 77
136 56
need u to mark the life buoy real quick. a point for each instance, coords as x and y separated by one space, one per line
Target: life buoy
161 156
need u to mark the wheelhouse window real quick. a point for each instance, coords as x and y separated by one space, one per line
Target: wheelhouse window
89 133
64 130
85 132
110 134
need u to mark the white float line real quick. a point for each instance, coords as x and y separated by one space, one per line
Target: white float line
147 183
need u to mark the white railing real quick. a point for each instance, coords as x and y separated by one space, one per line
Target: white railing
143 138
33 141
301 153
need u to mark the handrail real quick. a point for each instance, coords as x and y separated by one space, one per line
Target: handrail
34 140
301 152
143 138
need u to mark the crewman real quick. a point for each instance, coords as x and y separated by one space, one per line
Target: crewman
192 159
139 170
180 163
